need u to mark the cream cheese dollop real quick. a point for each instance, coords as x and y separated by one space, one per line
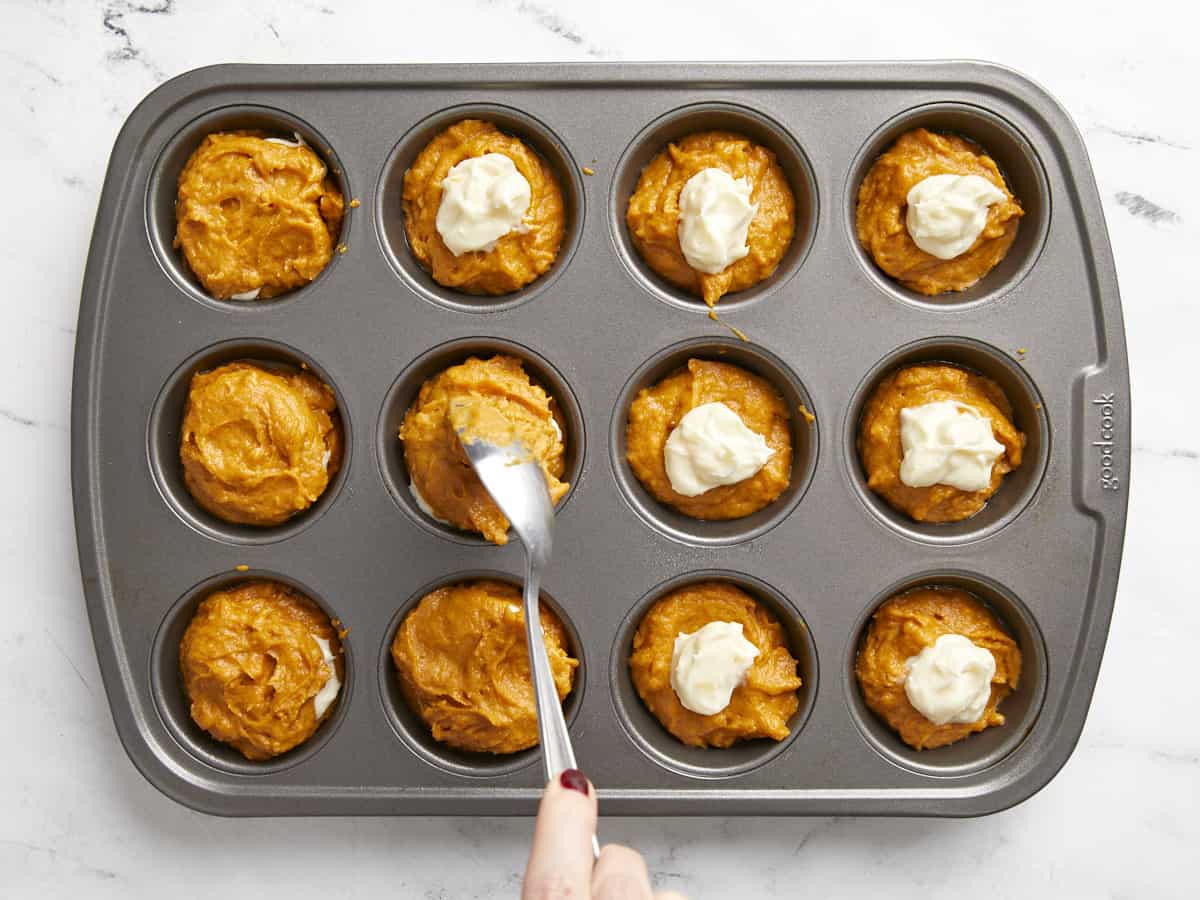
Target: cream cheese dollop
950 681
483 199
709 664
947 442
715 213
946 213
712 446
298 142
423 504
333 684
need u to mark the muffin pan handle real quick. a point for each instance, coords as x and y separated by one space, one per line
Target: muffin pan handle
1102 440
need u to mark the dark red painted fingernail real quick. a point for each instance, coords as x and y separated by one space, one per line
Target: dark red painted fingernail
574 780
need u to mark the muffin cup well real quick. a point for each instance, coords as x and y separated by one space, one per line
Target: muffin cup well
166 682
1022 170
413 731
404 390
1029 416
676 125
652 738
686 529
1020 709
163 186
389 211
166 417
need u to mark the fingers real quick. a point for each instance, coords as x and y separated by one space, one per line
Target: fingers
669 895
620 874
560 863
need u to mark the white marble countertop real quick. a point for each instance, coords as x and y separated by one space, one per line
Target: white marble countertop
76 819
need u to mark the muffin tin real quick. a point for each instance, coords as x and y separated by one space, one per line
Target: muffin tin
1046 324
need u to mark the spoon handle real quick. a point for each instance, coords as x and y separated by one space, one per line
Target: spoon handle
557 753
552 727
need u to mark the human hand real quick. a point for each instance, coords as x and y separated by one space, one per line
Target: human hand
561 864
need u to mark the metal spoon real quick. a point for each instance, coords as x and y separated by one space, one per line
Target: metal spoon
515 481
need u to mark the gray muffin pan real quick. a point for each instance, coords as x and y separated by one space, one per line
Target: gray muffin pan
1046 324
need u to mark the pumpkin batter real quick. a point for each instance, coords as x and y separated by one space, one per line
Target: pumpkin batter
436 461
881 451
883 203
252 669
463 664
904 626
657 409
760 706
259 446
518 257
653 212
255 216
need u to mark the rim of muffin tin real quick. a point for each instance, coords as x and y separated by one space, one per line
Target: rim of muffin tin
805 443
389 213
1023 172
1021 709
162 188
652 738
707 116
171 701
166 418
403 392
416 735
1019 487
